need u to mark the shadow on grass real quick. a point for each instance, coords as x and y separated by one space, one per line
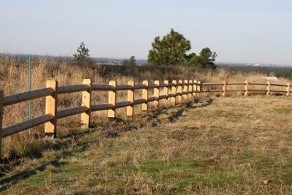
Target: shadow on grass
70 143
5 183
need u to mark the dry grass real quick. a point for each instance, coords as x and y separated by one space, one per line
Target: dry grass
230 146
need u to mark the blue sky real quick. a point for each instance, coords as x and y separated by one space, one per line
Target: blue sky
252 31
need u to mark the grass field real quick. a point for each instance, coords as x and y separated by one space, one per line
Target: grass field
215 146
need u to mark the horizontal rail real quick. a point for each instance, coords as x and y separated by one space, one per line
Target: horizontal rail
100 107
124 87
207 84
163 97
278 85
257 90
151 99
72 88
30 95
26 125
235 90
140 86
123 104
140 101
235 83
105 87
278 91
253 83
213 91
71 111
153 86
171 95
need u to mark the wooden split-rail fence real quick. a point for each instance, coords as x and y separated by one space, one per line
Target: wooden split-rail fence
164 92
168 93
247 88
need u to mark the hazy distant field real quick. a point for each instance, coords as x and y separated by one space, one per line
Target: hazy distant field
225 146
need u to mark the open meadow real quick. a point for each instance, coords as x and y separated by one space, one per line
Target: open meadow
228 145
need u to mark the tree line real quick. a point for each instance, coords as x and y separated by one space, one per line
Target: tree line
169 50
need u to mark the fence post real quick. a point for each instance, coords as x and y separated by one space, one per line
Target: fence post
246 88
185 90
288 89
156 93
112 99
268 88
86 101
165 92
224 89
144 106
179 92
51 108
190 89
199 86
194 87
130 109
173 92
1 119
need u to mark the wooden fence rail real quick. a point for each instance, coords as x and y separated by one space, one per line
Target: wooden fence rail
247 88
164 93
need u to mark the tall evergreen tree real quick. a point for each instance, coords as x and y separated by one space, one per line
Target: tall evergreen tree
82 53
169 50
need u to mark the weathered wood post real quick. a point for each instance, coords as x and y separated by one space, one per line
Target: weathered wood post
199 87
194 87
144 106
86 101
165 92
288 89
190 90
179 92
51 108
173 92
1 119
185 91
268 88
156 93
130 108
112 99
246 88
224 89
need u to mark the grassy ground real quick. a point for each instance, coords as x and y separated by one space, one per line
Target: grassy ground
219 146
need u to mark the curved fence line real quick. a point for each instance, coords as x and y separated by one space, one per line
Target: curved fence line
247 88
163 94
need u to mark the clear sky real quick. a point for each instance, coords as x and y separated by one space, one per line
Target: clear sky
253 31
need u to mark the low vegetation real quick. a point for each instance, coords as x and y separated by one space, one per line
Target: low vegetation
211 146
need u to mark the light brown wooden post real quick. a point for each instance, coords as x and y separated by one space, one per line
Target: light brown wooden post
185 90
173 92
288 89
195 87
156 93
165 92
268 88
144 106
130 109
224 89
51 108
179 91
86 101
246 88
112 99
190 89
199 86
1 119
